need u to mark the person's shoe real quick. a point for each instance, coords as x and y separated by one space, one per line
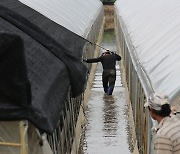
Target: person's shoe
110 90
105 90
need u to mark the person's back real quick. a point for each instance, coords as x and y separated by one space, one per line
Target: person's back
109 61
167 139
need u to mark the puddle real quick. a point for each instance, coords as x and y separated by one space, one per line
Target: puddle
106 129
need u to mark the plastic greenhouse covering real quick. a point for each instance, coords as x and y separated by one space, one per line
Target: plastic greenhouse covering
152 32
41 57
77 16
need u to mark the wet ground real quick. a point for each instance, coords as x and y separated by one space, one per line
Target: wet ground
106 129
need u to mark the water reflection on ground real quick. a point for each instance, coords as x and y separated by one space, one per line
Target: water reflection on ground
107 122
105 131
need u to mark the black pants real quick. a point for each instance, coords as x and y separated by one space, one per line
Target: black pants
109 78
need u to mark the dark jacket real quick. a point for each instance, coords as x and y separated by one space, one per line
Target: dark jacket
108 60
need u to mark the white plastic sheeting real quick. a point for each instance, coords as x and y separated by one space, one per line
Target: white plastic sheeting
76 15
153 28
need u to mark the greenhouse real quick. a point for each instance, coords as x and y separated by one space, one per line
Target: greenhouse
48 89
148 33
47 73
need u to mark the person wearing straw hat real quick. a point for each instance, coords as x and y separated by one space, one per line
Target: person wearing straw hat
108 60
167 138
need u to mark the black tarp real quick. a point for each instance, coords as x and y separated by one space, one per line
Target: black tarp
51 64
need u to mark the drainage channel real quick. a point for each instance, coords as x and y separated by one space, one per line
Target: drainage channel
106 130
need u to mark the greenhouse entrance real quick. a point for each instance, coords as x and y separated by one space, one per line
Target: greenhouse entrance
106 129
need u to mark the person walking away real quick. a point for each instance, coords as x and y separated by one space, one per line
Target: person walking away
108 60
167 138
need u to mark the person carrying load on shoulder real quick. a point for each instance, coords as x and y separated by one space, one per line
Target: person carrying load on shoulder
108 60
167 137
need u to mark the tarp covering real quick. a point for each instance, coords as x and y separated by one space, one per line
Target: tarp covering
45 62
152 32
15 87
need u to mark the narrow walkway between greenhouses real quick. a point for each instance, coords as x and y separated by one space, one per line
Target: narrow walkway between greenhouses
107 122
